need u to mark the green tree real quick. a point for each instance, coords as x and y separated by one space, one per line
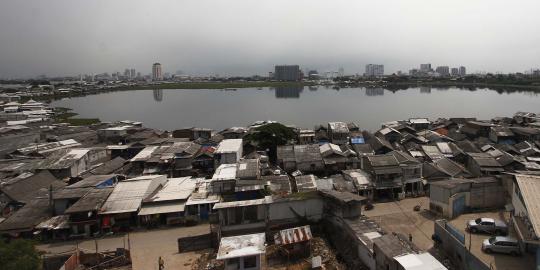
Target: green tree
269 136
19 254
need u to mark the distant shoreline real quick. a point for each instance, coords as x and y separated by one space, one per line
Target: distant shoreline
240 85
235 85
214 85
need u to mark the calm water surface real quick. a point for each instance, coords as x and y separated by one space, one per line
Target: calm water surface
303 107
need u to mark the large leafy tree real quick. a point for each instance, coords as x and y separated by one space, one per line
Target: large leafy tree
269 136
19 254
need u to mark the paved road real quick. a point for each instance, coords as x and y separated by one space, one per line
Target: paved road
399 216
146 247
495 261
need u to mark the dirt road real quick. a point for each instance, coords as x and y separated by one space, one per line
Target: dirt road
146 247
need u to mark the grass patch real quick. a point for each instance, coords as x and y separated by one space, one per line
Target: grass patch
63 115
81 121
62 109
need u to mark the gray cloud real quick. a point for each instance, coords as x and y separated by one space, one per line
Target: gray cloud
245 37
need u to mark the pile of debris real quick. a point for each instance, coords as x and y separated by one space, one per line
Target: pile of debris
319 247
207 261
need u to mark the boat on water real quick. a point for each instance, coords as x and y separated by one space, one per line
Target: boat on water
229 89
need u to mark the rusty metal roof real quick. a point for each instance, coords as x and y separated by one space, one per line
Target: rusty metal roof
293 235
529 187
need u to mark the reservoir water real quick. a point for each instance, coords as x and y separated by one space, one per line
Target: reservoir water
301 106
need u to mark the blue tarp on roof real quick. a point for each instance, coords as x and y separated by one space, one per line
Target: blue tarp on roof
357 140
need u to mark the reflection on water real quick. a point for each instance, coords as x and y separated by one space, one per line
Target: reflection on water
174 108
158 95
425 89
289 91
374 91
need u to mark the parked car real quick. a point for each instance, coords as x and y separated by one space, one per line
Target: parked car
501 244
487 225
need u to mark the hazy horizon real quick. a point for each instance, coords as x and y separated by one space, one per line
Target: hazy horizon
243 37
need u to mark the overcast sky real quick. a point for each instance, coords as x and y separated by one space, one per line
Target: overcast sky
247 37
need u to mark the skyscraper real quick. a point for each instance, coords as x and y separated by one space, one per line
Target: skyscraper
462 71
443 70
156 72
132 73
288 73
425 68
373 70
455 72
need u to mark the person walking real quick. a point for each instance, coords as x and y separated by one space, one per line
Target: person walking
161 263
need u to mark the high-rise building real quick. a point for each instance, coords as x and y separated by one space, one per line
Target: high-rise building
443 70
132 74
156 72
425 68
373 70
126 73
462 71
287 73
455 72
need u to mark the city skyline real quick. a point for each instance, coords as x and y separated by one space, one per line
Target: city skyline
242 38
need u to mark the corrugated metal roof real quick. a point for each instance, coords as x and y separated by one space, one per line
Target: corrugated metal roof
432 152
43 148
359 177
265 200
64 158
161 208
229 146
293 235
278 183
92 201
419 121
203 198
324 184
305 183
241 246
383 160
286 153
225 172
174 189
145 154
424 261
128 195
529 185
338 127
307 153
248 168
248 188
54 223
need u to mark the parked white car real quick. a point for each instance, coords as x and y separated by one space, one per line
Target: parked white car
487 225
501 244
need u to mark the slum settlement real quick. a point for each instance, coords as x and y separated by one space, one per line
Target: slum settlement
272 201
